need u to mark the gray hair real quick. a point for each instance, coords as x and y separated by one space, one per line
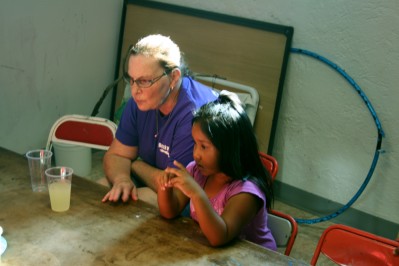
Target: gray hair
161 48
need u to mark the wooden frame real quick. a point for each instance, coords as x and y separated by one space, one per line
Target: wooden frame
245 51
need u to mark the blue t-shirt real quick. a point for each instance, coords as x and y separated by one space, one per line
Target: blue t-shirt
174 140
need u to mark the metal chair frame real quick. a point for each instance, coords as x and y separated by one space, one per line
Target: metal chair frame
346 245
88 131
270 163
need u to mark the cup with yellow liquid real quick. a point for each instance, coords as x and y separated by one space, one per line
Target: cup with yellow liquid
59 181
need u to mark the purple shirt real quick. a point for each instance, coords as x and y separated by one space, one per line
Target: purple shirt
256 231
174 140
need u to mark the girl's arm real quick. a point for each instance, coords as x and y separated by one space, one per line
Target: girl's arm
171 201
239 211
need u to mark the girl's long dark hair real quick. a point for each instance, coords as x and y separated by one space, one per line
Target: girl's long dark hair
228 127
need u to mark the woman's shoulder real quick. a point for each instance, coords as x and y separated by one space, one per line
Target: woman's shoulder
196 92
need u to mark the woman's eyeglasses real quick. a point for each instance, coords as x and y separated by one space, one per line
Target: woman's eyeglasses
142 83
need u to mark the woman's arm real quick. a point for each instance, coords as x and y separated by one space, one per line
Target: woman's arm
117 161
146 173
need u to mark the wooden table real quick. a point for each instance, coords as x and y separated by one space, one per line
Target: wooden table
96 233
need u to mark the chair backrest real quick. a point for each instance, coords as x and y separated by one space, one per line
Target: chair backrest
283 226
270 163
284 229
346 245
88 131
248 95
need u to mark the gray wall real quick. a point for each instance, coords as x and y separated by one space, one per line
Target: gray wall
56 58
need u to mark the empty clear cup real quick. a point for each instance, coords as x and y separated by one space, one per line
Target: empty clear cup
39 161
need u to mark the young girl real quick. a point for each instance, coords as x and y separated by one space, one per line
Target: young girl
228 188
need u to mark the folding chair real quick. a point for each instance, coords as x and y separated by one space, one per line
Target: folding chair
346 245
88 131
284 227
248 95
284 230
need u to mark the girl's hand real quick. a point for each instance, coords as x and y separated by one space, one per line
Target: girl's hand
163 180
180 178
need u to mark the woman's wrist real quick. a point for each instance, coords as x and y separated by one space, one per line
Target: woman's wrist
122 179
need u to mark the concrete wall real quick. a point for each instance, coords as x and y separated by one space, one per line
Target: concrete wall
56 58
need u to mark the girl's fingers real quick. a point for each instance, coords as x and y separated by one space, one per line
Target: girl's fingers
162 181
179 165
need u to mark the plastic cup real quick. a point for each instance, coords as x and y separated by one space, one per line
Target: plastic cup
59 180
39 161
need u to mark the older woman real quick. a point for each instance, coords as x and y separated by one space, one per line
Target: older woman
155 128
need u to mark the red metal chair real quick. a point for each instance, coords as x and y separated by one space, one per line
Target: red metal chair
270 163
284 227
88 131
346 245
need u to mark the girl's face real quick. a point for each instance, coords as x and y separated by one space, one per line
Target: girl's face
147 68
205 153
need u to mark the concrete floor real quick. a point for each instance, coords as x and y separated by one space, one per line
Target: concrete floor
308 235
306 240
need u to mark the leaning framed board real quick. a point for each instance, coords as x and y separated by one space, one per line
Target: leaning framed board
244 51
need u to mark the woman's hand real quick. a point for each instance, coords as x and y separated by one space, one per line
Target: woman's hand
117 163
123 189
